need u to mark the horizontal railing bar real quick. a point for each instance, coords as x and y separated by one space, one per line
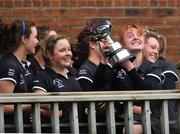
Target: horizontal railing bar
94 93
78 98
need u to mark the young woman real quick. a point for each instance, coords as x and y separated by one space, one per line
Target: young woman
35 62
17 41
139 74
154 48
56 77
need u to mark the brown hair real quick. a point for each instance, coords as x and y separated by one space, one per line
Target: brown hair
11 35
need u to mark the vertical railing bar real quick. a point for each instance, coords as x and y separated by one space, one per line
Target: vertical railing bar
2 118
178 114
55 118
164 118
128 111
36 118
92 118
146 119
74 119
110 116
18 118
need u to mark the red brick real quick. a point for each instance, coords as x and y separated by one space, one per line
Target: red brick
173 40
153 3
71 22
1 3
173 50
173 58
153 21
18 3
27 3
168 30
8 3
110 12
46 3
73 3
124 21
118 3
178 3
54 12
144 3
90 12
91 3
163 3
126 2
45 21
159 12
145 12
100 3
37 13
56 3
135 3
173 21
108 3
171 2
6 12
23 13
37 3
82 3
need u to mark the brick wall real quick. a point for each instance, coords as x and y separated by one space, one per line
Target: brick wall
69 16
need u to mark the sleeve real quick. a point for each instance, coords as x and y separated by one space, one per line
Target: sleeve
103 76
40 82
171 76
85 80
9 72
152 77
170 70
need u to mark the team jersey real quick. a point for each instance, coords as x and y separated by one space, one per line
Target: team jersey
147 76
12 70
169 72
50 81
85 75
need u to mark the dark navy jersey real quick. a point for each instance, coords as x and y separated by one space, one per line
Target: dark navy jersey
12 70
169 72
50 81
34 65
147 76
85 75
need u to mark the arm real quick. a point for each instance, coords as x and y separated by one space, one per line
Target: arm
152 75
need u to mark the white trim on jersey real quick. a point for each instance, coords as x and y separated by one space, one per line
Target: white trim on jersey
169 71
10 79
83 77
41 88
153 75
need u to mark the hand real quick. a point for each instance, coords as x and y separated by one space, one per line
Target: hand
127 64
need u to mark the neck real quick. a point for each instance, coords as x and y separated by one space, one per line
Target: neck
60 70
39 58
95 59
138 61
20 54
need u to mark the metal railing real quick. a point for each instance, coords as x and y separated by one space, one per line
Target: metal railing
74 98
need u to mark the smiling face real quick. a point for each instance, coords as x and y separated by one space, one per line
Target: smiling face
133 39
62 54
151 49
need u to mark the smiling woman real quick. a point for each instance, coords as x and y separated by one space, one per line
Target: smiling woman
17 41
56 77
